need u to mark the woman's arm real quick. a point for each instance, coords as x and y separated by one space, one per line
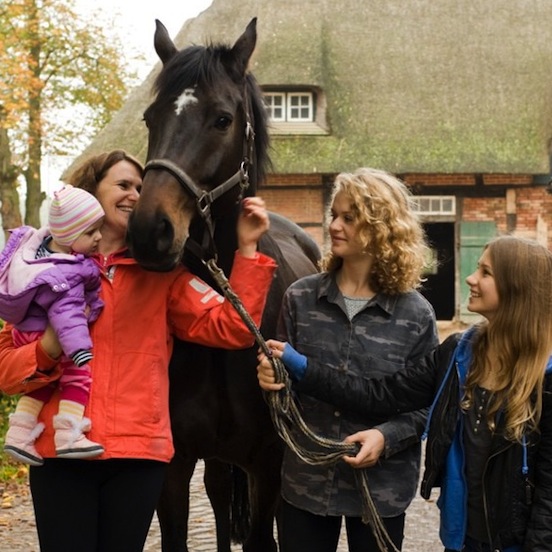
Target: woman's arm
49 349
403 391
402 431
199 314
30 366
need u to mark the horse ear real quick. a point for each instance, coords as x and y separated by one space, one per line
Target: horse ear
162 42
244 46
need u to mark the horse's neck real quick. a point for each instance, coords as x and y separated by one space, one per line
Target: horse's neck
226 244
226 237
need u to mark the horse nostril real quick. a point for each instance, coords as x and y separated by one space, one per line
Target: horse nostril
164 234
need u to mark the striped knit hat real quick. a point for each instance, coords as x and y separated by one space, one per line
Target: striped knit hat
72 211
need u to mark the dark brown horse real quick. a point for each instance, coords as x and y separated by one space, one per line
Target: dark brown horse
207 148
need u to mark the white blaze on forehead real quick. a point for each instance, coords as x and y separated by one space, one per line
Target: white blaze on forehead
185 99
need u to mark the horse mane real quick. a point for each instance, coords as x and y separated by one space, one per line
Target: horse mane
207 65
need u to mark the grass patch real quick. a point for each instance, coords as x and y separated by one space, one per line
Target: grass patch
10 470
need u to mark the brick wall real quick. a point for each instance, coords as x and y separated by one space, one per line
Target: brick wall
299 197
531 215
466 179
510 200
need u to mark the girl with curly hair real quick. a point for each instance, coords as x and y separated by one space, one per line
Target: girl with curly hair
361 315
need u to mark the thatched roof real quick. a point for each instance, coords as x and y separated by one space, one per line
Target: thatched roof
417 86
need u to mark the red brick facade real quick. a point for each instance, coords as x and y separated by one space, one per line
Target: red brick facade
512 201
300 197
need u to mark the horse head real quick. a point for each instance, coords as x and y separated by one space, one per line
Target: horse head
207 146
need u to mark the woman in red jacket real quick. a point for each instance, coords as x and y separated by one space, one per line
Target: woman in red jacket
107 504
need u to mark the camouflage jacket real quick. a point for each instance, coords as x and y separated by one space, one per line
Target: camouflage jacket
388 334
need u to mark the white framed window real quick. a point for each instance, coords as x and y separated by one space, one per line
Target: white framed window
299 106
290 106
434 205
276 105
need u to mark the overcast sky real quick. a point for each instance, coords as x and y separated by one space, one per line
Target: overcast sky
135 25
134 21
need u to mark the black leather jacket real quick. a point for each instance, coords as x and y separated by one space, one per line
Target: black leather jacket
518 505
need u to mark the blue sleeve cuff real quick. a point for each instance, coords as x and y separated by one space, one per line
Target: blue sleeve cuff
295 363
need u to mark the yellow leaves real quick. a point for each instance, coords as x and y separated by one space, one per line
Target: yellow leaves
61 79
7 501
21 473
12 490
49 53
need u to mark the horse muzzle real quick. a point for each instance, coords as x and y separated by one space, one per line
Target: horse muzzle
152 242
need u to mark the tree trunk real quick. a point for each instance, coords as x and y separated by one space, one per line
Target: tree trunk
9 197
35 196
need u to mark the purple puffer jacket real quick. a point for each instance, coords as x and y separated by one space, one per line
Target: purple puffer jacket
53 289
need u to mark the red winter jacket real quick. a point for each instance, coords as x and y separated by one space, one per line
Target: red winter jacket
133 337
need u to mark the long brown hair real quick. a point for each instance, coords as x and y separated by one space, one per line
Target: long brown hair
519 335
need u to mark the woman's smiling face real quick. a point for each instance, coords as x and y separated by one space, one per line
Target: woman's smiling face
118 193
483 297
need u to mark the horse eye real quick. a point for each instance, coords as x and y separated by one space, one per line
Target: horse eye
149 115
223 122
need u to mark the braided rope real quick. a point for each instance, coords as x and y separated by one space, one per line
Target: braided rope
285 414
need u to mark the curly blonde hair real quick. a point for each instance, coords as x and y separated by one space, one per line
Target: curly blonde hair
387 227
519 336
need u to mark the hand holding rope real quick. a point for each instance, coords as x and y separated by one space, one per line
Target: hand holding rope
285 413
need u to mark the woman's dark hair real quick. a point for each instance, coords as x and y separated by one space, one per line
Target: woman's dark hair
92 171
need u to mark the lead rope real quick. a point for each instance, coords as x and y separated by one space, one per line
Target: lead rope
285 412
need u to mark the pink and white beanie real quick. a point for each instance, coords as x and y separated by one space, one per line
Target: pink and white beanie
72 211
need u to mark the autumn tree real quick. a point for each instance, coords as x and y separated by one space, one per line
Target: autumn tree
61 79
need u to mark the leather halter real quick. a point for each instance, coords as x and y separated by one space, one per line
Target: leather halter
204 199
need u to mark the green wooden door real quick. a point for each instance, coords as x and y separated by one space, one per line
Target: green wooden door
473 236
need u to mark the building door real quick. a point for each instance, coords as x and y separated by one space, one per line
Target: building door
439 287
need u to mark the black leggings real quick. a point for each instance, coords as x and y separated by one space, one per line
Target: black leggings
95 506
306 532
